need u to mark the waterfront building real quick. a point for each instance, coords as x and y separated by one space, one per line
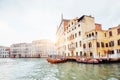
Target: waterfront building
113 40
4 52
43 47
61 43
20 50
36 49
105 43
73 32
82 37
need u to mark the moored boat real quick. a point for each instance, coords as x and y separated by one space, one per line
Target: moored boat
54 60
82 60
93 61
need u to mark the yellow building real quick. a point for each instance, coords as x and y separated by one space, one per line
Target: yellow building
83 37
102 43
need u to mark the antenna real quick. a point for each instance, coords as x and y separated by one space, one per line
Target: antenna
62 16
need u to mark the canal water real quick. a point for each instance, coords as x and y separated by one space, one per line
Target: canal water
40 69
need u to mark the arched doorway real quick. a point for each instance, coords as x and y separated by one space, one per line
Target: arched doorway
76 54
85 54
68 54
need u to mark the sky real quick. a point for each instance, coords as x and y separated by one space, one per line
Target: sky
28 20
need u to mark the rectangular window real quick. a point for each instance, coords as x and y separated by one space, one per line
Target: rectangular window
75 27
79 25
96 33
68 46
80 53
75 34
106 44
110 33
72 23
80 43
118 50
119 42
76 44
105 34
84 46
79 33
118 31
98 44
102 44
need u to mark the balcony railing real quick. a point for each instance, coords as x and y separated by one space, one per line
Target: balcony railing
90 38
71 48
87 49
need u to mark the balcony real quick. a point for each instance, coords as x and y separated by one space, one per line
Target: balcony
90 38
71 48
87 49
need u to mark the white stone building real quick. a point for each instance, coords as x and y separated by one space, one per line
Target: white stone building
20 50
43 47
71 33
38 48
4 52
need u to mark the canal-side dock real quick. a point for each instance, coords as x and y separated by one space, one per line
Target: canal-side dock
100 60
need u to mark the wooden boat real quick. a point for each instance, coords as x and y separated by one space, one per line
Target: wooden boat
52 60
79 60
82 60
93 61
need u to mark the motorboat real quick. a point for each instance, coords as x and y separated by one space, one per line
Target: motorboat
56 60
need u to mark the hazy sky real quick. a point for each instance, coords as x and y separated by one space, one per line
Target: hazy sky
27 20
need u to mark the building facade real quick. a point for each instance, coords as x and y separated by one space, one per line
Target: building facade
20 50
85 38
36 49
43 47
4 52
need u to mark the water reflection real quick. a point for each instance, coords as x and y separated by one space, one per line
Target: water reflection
40 69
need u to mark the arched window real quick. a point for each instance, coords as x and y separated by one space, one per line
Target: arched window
92 34
89 35
84 54
111 43
76 53
84 45
90 44
80 53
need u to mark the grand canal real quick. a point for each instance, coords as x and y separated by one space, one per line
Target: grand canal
40 69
